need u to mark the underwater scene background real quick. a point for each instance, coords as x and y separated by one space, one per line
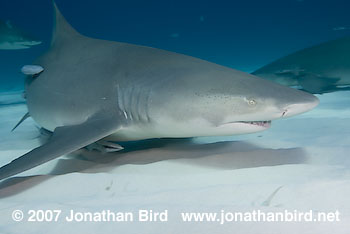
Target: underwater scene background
244 35
299 164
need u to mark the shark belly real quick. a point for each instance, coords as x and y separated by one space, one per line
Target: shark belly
173 129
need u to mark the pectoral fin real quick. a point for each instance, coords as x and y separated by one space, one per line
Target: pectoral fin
104 146
64 140
317 84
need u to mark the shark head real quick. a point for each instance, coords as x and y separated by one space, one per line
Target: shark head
13 38
223 101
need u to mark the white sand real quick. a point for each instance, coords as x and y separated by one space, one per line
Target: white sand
301 163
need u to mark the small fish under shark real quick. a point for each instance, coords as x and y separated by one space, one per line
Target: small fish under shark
90 92
13 38
319 69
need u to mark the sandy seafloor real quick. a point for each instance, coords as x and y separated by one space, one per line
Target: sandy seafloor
300 163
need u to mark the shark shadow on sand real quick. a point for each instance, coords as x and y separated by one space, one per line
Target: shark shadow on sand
218 156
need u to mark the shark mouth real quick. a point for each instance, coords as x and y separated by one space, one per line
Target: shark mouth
265 124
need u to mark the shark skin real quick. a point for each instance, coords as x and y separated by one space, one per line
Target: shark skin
93 90
319 69
13 38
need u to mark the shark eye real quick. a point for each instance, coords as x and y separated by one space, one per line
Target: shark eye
251 102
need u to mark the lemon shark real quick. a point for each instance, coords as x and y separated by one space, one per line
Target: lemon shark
90 91
13 38
319 69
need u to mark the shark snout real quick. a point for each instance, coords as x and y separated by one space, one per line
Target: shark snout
300 107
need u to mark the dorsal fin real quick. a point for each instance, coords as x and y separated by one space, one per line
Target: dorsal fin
62 31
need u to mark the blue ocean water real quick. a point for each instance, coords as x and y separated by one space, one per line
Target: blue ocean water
242 34
301 163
